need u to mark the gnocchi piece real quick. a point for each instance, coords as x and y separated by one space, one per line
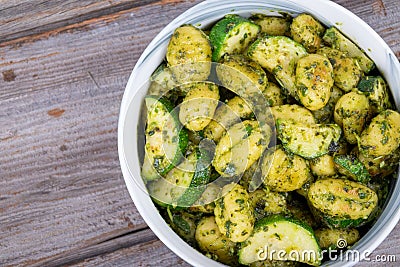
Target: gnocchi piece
266 203
234 214
346 71
340 203
275 26
245 138
198 107
283 172
294 112
314 80
273 94
307 31
212 242
323 166
382 136
227 115
352 112
189 54
331 238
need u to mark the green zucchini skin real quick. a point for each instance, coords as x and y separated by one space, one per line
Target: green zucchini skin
340 203
338 41
184 185
307 141
201 177
279 233
353 168
375 88
224 33
163 109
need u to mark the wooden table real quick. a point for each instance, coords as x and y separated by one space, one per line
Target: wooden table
64 65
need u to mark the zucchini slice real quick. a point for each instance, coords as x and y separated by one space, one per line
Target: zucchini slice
279 55
184 184
353 168
340 203
374 87
166 139
231 35
338 41
280 238
308 141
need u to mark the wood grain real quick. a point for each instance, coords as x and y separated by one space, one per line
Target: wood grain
64 66
61 188
24 18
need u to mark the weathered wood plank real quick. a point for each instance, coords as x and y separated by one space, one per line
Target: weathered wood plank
121 251
23 18
61 187
61 190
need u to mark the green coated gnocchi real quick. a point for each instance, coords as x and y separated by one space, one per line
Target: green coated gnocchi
314 81
198 107
189 54
382 136
234 214
283 172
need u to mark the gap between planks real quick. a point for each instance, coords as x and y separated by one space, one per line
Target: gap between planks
123 240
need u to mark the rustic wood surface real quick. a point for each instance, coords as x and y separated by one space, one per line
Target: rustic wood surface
63 69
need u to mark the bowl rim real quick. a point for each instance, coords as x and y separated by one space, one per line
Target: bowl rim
388 218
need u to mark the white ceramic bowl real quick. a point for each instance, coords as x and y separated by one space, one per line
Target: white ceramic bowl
130 127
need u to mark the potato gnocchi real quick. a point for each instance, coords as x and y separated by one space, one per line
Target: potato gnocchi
268 130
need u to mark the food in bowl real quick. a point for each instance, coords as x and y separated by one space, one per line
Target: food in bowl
212 163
